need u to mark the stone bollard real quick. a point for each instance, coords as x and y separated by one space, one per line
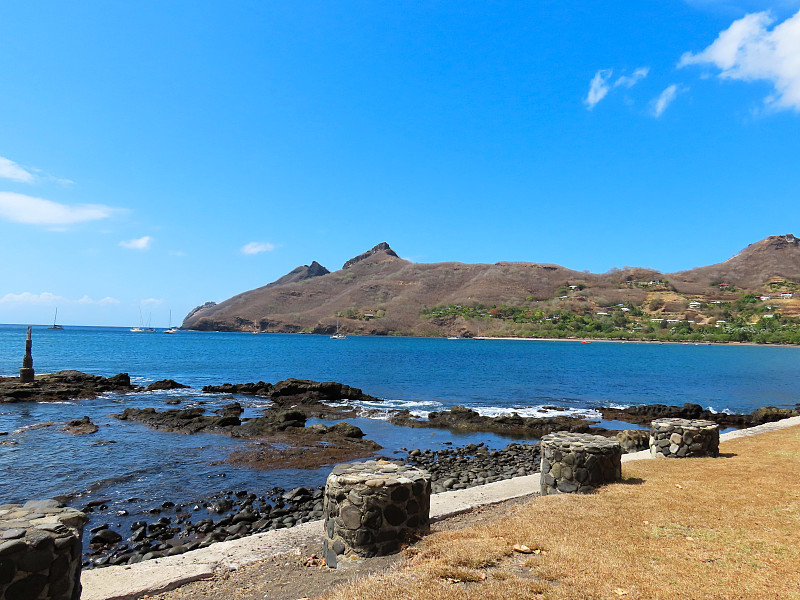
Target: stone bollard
679 438
578 462
371 507
40 551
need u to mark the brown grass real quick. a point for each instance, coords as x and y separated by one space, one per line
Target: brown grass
673 529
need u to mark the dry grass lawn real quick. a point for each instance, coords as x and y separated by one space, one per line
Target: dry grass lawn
673 529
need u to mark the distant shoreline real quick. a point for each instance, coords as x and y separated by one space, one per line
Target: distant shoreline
608 341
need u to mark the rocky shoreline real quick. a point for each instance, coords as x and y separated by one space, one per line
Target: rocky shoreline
235 514
643 414
63 385
280 438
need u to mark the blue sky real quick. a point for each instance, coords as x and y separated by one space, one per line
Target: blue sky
162 154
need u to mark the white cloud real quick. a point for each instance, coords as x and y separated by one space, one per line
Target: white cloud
629 82
19 208
142 243
30 298
48 298
152 301
598 88
11 170
257 247
600 84
660 104
102 302
748 51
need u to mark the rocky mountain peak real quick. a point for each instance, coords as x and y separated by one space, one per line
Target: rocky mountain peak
383 247
302 273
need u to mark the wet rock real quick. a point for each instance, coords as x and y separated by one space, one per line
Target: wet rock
82 426
460 418
190 420
460 468
311 397
106 536
770 414
347 430
165 384
645 413
234 409
63 385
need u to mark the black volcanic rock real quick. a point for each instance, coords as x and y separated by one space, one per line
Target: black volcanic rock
460 418
62 385
165 384
382 247
643 414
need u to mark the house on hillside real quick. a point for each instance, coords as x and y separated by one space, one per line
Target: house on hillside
694 304
786 295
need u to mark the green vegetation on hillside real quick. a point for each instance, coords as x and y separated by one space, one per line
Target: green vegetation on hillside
746 319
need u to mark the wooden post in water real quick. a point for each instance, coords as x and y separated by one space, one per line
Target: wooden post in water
26 372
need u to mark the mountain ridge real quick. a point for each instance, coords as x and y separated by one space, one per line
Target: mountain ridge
379 293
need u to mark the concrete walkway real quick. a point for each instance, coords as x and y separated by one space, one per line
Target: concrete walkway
134 581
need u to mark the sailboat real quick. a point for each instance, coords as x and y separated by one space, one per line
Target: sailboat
55 325
171 329
337 335
138 329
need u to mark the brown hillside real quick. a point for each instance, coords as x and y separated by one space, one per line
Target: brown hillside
776 257
379 293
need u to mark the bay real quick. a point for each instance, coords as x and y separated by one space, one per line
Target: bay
126 460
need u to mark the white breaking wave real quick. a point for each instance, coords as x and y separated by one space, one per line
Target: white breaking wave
382 410
537 411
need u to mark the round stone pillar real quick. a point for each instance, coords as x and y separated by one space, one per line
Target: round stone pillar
40 551
578 462
679 438
371 508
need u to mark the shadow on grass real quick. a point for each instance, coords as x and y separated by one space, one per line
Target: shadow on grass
726 455
631 481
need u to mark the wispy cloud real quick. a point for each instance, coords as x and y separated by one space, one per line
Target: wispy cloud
152 301
660 104
20 208
601 84
11 170
749 51
257 247
142 243
101 302
632 80
598 87
29 298
50 299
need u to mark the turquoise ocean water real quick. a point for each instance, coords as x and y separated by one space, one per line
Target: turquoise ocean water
126 460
